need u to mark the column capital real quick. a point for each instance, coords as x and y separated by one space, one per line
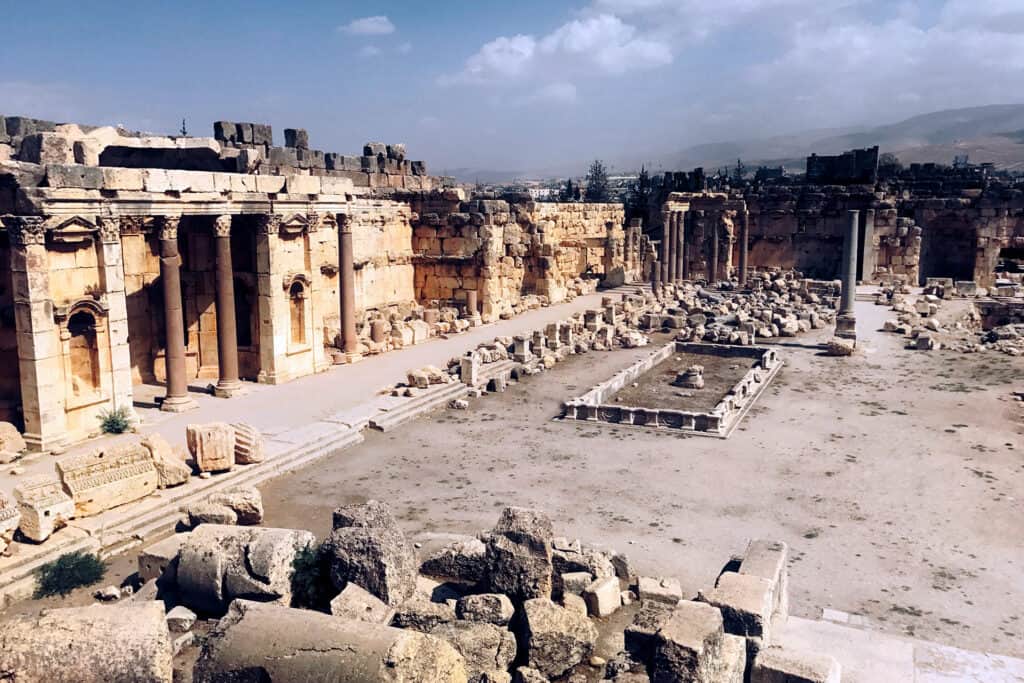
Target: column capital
313 220
344 222
26 230
110 229
269 223
168 226
222 225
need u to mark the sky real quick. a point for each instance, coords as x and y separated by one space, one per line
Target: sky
526 85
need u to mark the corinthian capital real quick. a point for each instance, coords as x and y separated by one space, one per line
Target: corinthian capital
222 226
168 226
26 230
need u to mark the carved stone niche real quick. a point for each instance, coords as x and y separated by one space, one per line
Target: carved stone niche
75 231
294 225
291 278
329 269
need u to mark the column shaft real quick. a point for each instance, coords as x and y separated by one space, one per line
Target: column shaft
177 399
687 223
744 245
347 295
845 320
111 261
228 383
663 257
866 243
673 232
713 263
680 248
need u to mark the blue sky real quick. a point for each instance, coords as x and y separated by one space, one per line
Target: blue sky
525 85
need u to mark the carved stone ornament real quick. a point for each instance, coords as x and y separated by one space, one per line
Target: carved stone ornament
169 227
222 226
26 230
292 278
76 230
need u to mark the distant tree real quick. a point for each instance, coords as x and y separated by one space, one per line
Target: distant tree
739 172
184 129
639 195
597 182
888 159
567 193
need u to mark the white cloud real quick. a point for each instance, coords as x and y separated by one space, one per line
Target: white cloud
552 93
368 51
369 26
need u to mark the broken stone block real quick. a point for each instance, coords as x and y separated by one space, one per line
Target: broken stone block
746 604
691 378
378 559
10 517
519 556
122 642
734 658
576 582
840 347
689 645
248 444
575 603
555 639
419 613
211 513
768 559
356 603
220 563
641 635
661 589
285 644
11 443
527 674
212 445
487 649
104 479
46 148
465 560
602 597
160 559
623 567
180 619
371 514
490 608
171 468
245 501
784 665
43 505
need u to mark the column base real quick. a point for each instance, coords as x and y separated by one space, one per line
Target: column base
475 321
178 404
228 389
846 327
353 356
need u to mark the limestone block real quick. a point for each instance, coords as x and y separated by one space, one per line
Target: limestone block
357 604
11 442
734 658
171 468
378 559
211 513
465 560
248 444
46 148
337 186
43 505
491 608
641 635
10 517
519 555
180 619
285 644
576 582
269 184
130 179
603 597
487 649
689 645
65 175
769 560
104 479
245 501
122 642
661 589
212 445
160 559
746 604
555 638
420 331
784 665
220 563
302 184
371 514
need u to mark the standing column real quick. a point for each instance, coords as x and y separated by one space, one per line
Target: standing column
111 262
663 258
655 277
680 245
347 281
473 307
713 264
177 399
687 230
845 321
866 242
673 232
744 245
228 383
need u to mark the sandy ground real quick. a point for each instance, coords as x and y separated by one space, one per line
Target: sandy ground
895 476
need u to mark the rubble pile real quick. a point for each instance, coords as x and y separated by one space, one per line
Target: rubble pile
515 603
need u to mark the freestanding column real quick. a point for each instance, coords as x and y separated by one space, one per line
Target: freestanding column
671 251
663 259
177 399
472 307
680 245
228 383
845 321
713 265
347 273
687 230
866 242
744 245
111 261
655 277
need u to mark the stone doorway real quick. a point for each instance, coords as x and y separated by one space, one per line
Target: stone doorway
948 249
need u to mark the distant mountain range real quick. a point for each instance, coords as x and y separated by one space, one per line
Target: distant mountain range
993 133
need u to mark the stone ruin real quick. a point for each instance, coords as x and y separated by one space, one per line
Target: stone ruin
44 506
105 479
515 603
691 378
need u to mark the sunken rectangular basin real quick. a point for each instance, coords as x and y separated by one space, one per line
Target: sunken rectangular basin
644 394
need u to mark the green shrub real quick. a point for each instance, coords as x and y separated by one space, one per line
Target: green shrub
68 572
311 579
114 421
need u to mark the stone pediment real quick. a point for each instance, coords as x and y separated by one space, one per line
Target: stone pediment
76 230
294 224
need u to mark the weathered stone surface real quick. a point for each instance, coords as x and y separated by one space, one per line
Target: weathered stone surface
372 513
122 642
245 501
274 643
248 444
603 597
768 559
660 589
160 559
220 563
641 635
10 517
211 513
519 559
576 582
356 603
465 560
746 604
555 638
212 445
43 505
379 559
11 442
420 613
734 658
171 468
689 645
784 665
487 649
491 608
180 619
840 347
107 478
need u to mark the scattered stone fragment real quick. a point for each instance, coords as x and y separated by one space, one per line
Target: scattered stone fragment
212 445
784 665
245 501
519 560
171 468
689 645
603 597
419 613
465 560
488 650
248 444
356 603
661 589
180 619
555 639
379 559
491 608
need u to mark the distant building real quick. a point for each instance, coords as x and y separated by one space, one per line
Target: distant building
856 167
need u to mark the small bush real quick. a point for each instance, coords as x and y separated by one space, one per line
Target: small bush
114 421
68 572
311 579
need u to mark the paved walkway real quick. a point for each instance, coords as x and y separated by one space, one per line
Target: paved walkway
273 409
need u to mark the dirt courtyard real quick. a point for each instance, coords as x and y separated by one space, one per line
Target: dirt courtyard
895 476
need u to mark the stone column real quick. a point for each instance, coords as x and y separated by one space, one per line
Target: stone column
663 257
347 285
866 256
655 276
713 263
687 230
744 218
473 307
845 320
40 364
272 302
671 236
177 399
680 245
111 262
228 384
